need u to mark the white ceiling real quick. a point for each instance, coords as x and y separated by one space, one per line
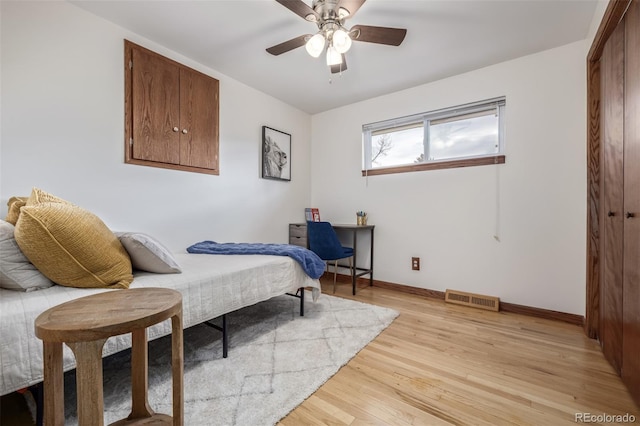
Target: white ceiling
444 38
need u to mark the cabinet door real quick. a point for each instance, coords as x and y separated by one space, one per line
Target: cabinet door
171 113
156 108
612 234
631 295
199 129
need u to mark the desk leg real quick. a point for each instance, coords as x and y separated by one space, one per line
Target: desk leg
177 369
371 261
355 268
89 381
53 384
140 408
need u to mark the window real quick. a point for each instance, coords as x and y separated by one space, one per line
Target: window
466 135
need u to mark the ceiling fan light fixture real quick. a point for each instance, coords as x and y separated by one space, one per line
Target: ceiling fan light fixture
315 45
333 57
341 40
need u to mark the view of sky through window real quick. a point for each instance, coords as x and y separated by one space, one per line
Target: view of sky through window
467 137
403 147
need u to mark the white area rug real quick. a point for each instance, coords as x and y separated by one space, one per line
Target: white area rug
276 360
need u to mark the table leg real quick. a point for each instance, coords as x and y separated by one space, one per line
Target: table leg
177 369
355 268
89 381
53 384
139 375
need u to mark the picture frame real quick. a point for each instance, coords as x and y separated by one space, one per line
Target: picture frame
276 154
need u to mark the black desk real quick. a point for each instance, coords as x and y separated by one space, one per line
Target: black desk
358 272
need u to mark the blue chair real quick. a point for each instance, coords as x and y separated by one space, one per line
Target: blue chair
324 242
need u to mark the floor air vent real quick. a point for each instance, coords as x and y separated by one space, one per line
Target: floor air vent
489 303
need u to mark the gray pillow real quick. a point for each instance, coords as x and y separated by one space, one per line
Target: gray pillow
16 272
148 254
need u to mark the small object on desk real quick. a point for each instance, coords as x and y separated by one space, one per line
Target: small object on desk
312 214
361 218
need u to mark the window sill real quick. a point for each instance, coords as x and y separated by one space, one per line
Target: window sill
437 165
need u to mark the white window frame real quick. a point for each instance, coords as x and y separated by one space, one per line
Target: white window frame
369 130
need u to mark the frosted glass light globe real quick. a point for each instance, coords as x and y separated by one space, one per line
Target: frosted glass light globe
341 41
315 45
333 57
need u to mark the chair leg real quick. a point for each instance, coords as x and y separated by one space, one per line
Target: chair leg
335 275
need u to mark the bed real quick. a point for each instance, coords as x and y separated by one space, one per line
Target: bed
211 286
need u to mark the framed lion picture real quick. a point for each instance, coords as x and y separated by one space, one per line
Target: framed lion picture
276 154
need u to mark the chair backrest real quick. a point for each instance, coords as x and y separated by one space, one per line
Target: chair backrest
324 241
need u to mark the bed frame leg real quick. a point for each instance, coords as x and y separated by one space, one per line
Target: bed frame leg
301 290
300 295
225 337
225 334
37 391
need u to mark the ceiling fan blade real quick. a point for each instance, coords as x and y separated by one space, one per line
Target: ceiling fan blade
351 5
288 45
300 8
335 69
380 35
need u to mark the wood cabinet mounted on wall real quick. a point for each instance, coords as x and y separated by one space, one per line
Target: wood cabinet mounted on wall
171 113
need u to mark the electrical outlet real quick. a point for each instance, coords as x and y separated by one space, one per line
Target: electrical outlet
415 263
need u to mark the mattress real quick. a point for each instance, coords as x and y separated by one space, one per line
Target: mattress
211 285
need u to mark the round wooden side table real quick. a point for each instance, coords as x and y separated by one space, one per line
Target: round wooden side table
85 324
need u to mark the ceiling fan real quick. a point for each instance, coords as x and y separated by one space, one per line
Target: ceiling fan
332 36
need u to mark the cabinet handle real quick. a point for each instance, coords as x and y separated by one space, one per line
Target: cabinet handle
184 131
175 129
630 215
611 214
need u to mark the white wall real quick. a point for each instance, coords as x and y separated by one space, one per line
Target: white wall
62 130
448 217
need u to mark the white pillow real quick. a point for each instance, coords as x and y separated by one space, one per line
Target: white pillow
148 254
16 272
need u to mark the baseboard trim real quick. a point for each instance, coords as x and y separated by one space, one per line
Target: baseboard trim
436 294
542 313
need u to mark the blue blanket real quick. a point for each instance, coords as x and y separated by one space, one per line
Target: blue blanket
310 262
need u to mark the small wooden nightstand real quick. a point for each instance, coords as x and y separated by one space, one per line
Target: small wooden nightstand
298 234
84 325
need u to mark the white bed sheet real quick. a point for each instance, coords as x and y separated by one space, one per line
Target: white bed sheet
211 285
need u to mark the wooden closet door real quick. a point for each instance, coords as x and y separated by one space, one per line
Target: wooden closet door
612 125
631 282
156 108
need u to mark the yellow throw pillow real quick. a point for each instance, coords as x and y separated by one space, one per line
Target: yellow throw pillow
72 246
39 196
14 204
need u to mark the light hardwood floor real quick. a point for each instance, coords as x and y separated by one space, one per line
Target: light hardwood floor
441 364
